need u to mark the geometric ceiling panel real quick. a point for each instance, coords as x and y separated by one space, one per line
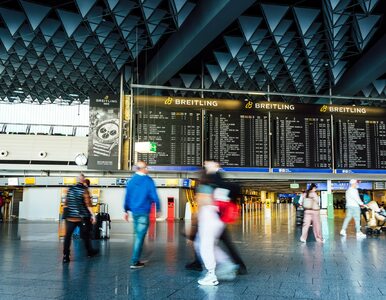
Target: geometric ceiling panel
57 48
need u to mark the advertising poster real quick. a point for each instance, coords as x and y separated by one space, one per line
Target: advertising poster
104 132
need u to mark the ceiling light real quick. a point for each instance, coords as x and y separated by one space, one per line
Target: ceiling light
73 95
18 92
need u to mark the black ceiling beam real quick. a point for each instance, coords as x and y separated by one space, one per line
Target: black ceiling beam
366 70
208 20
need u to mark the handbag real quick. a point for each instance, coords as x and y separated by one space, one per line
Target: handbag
310 203
229 211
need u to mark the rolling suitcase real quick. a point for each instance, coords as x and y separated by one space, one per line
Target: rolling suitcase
102 227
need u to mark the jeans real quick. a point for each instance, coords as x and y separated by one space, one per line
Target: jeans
85 228
352 212
1 213
141 224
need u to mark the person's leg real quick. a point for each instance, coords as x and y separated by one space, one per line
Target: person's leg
1 213
316 226
85 234
227 240
306 225
207 233
357 218
70 226
347 219
141 224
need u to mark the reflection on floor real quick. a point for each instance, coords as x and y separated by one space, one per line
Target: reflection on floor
279 266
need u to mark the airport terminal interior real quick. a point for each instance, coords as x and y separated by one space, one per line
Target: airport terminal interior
243 143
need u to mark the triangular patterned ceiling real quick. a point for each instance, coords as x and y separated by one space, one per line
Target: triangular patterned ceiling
302 48
81 46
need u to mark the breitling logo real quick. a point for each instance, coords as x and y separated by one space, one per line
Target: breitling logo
249 105
324 108
169 101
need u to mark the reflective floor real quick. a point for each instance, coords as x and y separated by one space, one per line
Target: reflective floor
279 266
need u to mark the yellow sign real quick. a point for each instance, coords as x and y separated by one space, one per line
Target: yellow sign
94 181
268 203
172 182
69 180
29 180
95 192
249 105
324 108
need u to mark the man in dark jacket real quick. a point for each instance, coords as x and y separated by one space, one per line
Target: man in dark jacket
140 194
78 213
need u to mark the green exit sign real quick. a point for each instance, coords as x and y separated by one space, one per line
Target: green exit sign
153 147
294 185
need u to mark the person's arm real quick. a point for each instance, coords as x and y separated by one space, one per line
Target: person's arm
87 202
154 195
356 198
126 204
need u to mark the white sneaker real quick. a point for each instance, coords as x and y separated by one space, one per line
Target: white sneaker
303 241
209 279
361 235
343 233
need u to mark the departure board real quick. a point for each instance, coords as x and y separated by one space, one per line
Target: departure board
360 143
300 141
236 139
177 133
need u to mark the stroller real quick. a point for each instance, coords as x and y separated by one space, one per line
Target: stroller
376 219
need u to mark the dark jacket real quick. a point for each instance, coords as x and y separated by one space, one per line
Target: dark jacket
76 207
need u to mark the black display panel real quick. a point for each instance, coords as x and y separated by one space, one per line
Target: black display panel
236 139
300 141
177 133
360 143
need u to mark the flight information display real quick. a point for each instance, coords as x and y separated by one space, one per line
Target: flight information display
237 139
301 141
176 132
360 143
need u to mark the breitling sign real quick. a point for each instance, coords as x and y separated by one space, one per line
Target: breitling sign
259 106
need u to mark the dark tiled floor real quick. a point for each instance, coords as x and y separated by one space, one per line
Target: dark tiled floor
280 267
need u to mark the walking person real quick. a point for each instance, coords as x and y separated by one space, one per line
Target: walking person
140 194
78 213
353 209
210 228
311 205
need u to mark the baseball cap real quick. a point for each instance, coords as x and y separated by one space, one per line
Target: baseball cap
353 181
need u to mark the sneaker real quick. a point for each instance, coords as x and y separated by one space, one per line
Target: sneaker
226 271
361 235
93 253
343 233
242 270
66 259
209 279
195 266
303 240
137 265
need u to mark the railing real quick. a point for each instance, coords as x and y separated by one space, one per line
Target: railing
44 129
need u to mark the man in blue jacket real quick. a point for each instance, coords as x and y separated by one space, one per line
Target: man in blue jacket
140 194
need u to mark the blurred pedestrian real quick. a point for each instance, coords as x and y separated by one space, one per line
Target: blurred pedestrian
311 205
78 213
141 193
353 209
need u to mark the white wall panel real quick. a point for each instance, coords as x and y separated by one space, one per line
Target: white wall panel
51 114
27 147
40 204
